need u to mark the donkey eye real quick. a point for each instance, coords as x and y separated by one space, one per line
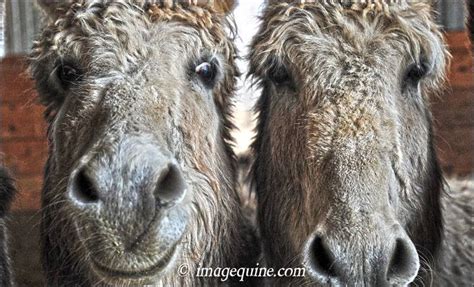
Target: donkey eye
280 76
68 74
207 73
416 72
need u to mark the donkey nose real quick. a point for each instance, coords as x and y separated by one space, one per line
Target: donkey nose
83 187
322 260
399 265
403 263
158 178
170 187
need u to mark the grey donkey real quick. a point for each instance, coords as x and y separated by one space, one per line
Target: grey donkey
139 183
346 175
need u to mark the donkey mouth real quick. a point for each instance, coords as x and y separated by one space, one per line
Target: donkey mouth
131 274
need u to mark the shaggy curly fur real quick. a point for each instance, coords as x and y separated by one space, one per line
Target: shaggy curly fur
343 127
132 53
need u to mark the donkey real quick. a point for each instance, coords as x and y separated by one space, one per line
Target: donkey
7 192
139 183
346 174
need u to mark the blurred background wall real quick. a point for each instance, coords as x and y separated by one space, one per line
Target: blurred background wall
22 23
22 129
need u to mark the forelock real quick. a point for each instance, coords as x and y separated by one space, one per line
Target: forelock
124 17
407 25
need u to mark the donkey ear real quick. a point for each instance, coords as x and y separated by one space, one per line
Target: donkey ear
52 8
225 6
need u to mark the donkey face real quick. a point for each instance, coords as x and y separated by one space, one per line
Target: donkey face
346 174
137 163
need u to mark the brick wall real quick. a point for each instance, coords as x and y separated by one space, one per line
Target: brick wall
454 111
22 132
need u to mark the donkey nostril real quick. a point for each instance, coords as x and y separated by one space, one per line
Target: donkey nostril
171 186
404 263
83 188
322 259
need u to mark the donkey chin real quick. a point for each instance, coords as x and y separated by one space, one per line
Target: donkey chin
116 259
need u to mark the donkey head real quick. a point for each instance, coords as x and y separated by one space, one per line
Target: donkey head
137 97
346 174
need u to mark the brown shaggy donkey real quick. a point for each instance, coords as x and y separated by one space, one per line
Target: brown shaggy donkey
347 179
139 184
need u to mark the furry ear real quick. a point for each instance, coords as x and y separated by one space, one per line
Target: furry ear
52 8
225 6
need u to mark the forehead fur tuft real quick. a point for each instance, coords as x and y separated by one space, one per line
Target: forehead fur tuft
91 16
201 17
200 13
377 5
287 28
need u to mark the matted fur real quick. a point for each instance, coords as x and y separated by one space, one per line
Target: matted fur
345 104
115 42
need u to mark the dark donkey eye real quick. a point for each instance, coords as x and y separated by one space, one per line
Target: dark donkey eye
207 73
279 75
416 72
68 74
